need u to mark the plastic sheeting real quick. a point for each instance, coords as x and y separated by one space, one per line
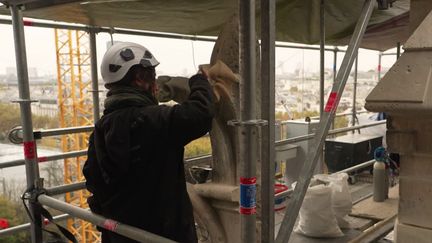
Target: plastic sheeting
296 20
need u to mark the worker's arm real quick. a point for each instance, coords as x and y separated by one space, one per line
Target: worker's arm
193 118
183 122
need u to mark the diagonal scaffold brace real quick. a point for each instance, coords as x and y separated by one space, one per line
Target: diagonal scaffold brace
327 118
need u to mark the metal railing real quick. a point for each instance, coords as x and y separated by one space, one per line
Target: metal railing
347 170
357 167
63 131
108 224
24 227
206 159
81 185
190 161
65 188
331 132
41 159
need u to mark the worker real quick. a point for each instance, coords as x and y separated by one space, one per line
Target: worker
135 168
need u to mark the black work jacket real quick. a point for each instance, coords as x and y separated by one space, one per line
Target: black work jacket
135 164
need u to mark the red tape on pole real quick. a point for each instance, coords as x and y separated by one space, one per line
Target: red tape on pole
247 211
30 150
27 22
110 225
331 102
248 181
248 195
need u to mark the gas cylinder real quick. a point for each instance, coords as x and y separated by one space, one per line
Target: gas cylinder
380 182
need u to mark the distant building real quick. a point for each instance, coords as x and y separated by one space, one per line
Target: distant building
32 72
11 72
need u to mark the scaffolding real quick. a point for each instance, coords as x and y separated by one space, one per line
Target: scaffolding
249 121
76 109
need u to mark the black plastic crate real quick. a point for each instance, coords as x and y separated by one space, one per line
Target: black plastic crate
349 150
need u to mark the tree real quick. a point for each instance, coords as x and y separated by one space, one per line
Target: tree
340 122
10 117
12 190
304 114
54 172
282 116
198 147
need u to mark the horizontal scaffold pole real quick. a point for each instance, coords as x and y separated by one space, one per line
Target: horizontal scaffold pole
108 224
41 24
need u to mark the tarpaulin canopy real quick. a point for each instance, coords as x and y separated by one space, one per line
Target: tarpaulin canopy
296 20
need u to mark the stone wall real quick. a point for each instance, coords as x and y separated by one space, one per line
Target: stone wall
412 138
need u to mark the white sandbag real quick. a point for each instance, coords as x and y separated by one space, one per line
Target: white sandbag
341 197
316 217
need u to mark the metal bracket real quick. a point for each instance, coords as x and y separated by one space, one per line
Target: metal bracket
19 101
31 194
95 91
37 134
253 123
15 135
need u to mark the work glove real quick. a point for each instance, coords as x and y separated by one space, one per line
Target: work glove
173 88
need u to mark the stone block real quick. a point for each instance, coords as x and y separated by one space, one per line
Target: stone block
407 134
402 142
415 203
397 122
414 123
416 166
421 8
409 234
424 138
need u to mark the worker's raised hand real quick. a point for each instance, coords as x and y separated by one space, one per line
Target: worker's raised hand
172 88
223 80
203 70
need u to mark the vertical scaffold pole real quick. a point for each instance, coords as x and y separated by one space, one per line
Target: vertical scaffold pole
335 52
320 167
247 128
94 74
322 55
30 152
267 113
354 107
320 135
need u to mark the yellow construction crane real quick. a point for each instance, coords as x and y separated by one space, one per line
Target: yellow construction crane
75 109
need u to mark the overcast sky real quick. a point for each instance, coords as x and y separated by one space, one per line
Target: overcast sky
177 57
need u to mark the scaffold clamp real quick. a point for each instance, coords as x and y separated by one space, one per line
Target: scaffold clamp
19 101
253 123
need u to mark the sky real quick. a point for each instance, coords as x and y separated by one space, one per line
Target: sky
177 57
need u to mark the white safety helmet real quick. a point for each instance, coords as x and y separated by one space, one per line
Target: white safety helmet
121 57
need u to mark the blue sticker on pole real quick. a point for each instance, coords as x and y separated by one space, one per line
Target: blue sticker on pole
248 195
